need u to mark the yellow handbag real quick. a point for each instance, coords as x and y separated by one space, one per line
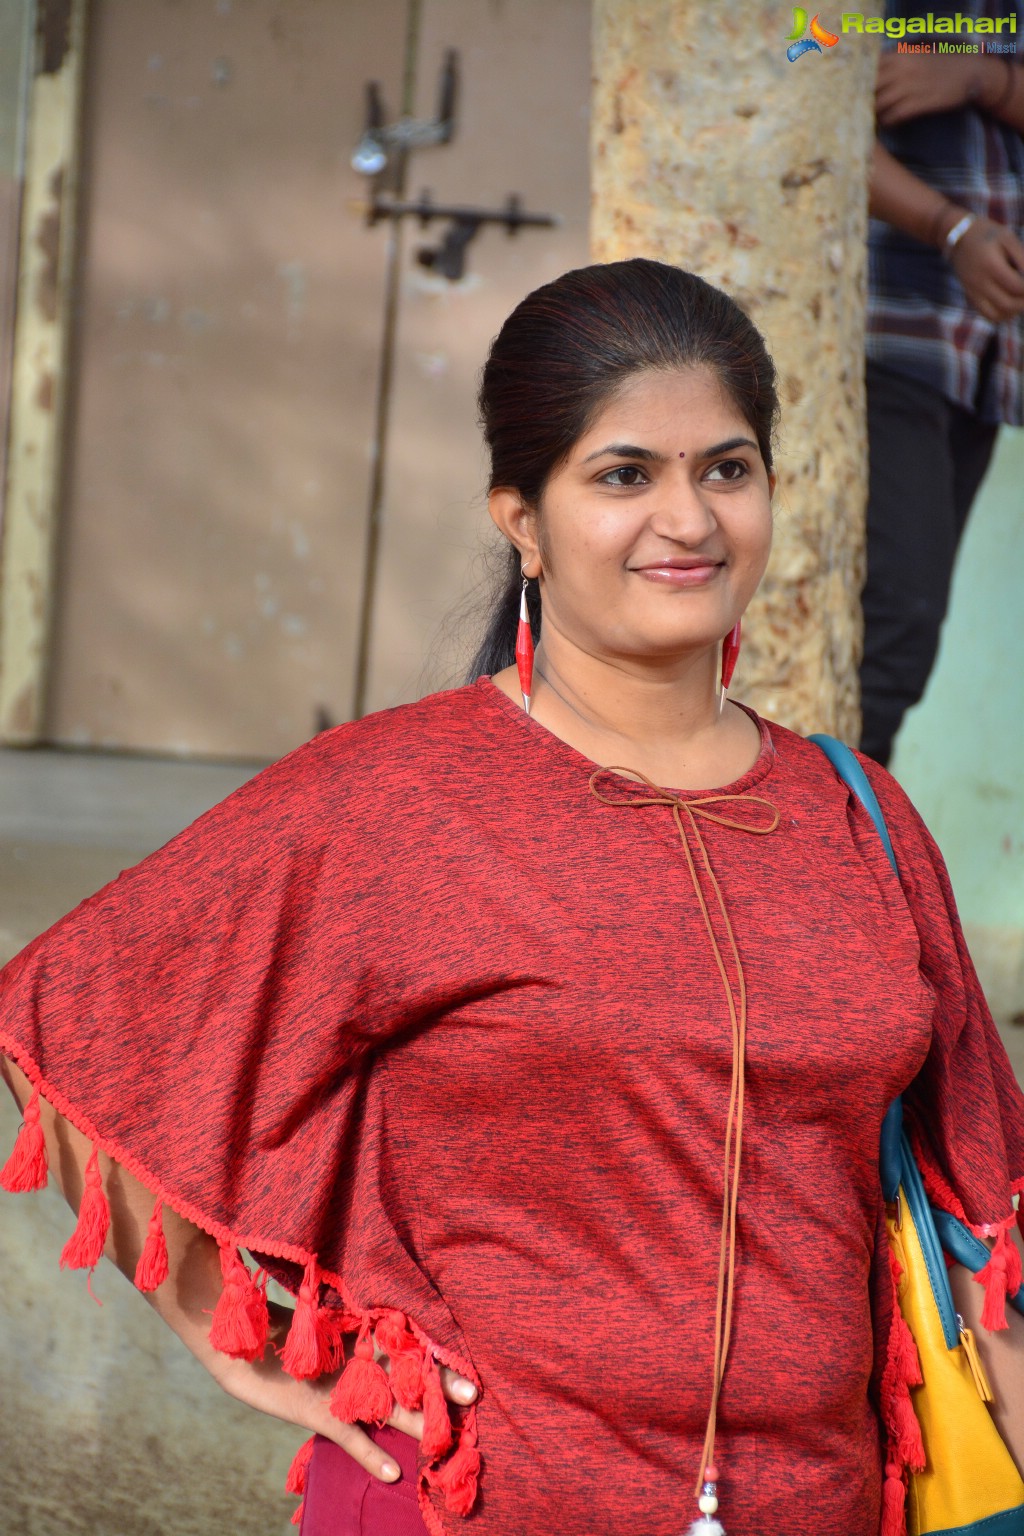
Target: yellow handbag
969 1484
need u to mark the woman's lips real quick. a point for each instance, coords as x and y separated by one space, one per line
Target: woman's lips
694 574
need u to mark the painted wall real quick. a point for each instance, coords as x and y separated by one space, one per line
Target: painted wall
961 751
229 338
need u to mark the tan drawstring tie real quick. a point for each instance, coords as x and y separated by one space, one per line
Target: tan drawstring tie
694 811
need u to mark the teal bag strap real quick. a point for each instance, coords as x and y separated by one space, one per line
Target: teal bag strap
937 1229
845 763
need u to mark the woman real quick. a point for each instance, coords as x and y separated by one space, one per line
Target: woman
557 1092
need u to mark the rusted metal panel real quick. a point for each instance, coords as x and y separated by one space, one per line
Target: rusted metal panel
39 366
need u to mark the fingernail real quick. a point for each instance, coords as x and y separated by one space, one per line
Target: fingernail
390 1471
464 1390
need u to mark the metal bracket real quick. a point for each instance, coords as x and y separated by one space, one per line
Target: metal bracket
381 139
449 258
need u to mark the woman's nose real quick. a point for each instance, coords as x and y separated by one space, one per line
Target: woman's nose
682 513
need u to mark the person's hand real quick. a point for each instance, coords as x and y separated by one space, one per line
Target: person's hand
989 261
913 84
265 1386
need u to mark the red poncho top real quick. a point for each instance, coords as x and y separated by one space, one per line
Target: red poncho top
426 1026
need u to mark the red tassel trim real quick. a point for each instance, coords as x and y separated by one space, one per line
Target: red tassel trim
335 1325
362 1394
894 1502
152 1269
240 1321
437 1426
908 1361
407 1356
311 1345
295 1482
84 1248
459 1475
1001 1277
26 1169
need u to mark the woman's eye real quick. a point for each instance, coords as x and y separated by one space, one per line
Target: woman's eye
728 469
626 475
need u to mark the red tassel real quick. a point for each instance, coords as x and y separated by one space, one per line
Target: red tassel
1001 1277
908 1361
297 1516
152 1269
407 1379
25 1169
84 1248
335 1325
307 1350
459 1475
406 1355
524 650
295 1482
730 653
905 1432
362 1393
240 1321
894 1502
437 1426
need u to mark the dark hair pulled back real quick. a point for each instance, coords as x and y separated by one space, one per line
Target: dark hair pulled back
565 350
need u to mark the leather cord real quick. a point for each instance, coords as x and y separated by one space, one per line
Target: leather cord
694 811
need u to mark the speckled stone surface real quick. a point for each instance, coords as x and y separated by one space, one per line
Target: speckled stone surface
710 149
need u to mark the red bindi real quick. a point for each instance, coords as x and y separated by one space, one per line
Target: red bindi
682 455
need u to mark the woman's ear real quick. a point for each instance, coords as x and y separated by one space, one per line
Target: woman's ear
518 523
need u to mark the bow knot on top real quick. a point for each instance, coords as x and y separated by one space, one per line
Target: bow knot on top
758 816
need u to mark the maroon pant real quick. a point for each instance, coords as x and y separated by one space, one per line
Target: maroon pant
343 1500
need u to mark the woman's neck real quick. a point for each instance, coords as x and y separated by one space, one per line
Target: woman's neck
663 721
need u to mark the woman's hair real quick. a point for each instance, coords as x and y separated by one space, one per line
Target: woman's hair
566 349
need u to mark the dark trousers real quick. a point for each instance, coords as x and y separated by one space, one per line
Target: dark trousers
926 460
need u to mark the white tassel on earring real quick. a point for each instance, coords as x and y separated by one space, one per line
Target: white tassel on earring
705 1526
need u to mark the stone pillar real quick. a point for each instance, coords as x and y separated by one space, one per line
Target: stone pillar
710 149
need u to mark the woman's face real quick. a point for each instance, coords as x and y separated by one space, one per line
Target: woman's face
652 537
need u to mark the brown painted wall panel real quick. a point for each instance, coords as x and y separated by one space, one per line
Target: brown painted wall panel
523 128
230 322
229 308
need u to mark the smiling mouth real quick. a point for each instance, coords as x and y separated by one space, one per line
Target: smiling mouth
680 573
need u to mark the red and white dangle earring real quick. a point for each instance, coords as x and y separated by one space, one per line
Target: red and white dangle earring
730 651
524 650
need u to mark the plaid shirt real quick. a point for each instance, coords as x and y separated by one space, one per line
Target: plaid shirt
920 321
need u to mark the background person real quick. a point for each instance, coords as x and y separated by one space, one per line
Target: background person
945 338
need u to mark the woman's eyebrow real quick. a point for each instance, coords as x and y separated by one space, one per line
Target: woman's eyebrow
632 451
626 451
727 447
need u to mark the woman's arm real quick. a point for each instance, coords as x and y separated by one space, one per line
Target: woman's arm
1003 1354
186 1299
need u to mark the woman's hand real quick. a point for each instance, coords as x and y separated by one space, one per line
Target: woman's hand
265 1386
186 1299
989 261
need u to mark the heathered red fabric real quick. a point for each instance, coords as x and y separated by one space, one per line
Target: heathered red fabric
414 1001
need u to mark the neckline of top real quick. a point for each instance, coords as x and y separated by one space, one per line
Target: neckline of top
569 758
